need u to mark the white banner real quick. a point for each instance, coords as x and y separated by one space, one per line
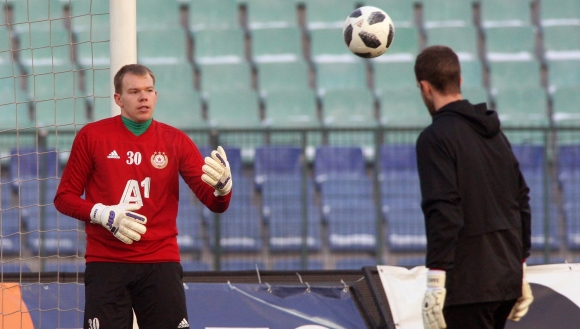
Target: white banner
556 290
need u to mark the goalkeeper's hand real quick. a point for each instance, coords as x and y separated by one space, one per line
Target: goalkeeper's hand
125 224
217 172
434 300
523 303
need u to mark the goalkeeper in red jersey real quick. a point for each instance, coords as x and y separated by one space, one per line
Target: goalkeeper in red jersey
128 169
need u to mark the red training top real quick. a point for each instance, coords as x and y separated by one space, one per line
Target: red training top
110 165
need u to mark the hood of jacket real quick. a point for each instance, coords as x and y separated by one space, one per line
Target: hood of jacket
485 122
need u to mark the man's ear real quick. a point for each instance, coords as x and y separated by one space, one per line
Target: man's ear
118 99
425 87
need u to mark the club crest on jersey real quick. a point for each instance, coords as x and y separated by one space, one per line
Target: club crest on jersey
159 160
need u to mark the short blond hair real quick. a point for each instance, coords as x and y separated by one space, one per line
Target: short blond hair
135 69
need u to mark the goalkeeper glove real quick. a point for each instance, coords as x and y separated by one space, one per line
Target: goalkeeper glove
217 172
434 300
523 303
125 224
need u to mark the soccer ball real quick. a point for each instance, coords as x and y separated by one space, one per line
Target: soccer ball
368 32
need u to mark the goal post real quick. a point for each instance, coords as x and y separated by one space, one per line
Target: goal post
123 40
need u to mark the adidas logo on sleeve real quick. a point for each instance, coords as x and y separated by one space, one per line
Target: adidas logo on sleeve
183 324
113 155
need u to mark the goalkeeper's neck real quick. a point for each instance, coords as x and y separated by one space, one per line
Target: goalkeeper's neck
136 128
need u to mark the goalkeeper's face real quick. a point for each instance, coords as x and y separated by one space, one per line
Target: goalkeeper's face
137 98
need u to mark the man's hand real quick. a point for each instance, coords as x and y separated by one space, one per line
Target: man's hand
434 300
217 172
523 303
125 224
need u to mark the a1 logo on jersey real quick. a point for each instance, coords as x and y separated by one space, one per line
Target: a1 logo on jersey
159 160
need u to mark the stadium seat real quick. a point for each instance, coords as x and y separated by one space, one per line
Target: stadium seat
285 224
162 47
45 50
476 95
565 106
338 192
15 267
240 228
242 265
385 72
348 108
338 161
403 108
92 48
325 14
152 15
287 191
563 73
327 45
447 13
406 47
401 12
213 14
522 107
271 14
283 76
499 13
36 11
462 39
195 266
28 163
472 74
233 109
510 75
562 43
516 43
291 108
224 46
225 77
340 76
277 45
411 262
559 12
540 260
294 264
64 265
12 240
189 219
569 178
277 162
355 263
55 305
352 228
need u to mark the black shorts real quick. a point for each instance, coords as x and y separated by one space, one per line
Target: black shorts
154 291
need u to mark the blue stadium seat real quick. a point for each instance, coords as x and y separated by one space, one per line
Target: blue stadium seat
285 225
11 238
346 192
240 228
14 267
411 261
55 305
338 161
195 266
277 161
355 263
293 264
352 228
189 219
569 178
30 163
64 265
241 265
285 191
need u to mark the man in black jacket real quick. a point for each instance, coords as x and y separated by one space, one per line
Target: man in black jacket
476 206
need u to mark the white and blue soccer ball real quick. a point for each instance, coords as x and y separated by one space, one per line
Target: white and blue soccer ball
368 32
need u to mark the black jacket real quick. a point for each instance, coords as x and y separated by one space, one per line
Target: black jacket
476 204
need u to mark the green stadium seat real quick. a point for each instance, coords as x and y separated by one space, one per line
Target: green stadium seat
98 90
233 109
158 14
218 77
45 51
92 49
439 13
522 107
566 111
516 43
162 47
394 75
341 75
283 76
36 10
327 45
472 74
267 14
89 19
475 95
403 108
348 108
559 12
324 14
219 46
405 47
277 45
563 73
562 42
213 14
507 75
501 13
291 109
400 11
462 39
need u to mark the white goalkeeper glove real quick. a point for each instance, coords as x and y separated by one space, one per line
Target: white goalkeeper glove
120 219
217 172
523 303
434 300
